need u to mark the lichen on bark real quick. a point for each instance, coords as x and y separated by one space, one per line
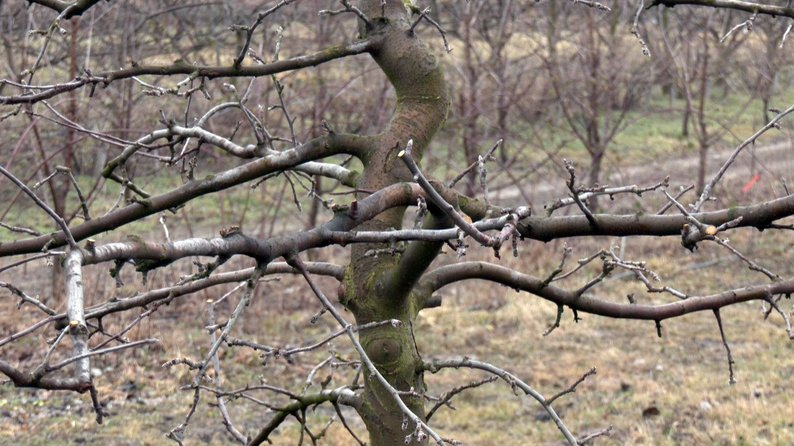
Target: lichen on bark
370 290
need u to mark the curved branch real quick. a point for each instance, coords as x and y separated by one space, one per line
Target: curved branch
446 275
317 148
512 380
71 9
334 171
342 395
24 379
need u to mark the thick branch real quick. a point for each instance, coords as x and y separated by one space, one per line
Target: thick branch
75 311
320 147
446 275
22 379
740 5
71 9
550 228
209 72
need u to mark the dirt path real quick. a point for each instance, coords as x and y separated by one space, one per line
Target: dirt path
772 162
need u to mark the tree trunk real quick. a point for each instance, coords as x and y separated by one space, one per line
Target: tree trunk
596 160
703 152
380 289
469 101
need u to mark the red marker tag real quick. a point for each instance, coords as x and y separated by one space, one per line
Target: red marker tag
751 183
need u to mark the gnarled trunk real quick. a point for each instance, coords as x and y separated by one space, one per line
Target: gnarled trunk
379 288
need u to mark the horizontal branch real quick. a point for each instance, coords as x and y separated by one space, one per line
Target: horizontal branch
24 379
740 5
446 275
208 72
551 228
163 294
153 255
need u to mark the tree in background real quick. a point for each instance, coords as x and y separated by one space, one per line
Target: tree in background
218 114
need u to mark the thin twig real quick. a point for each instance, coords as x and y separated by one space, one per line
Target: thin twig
444 399
575 193
373 371
731 362
58 220
572 388
710 185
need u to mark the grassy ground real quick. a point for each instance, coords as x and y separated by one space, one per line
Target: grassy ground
661 391
656 391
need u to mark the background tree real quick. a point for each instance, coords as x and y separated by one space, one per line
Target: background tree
592 85
211 112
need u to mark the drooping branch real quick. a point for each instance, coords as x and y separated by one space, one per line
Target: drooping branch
446 275
512 380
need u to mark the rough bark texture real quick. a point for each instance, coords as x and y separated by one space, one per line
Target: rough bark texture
369 292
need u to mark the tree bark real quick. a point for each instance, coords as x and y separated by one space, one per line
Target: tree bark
422 105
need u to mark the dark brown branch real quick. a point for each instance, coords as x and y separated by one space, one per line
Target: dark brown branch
209 72
731 362
757 215
573 386
447 396
740 5
446 275
22 379
71 9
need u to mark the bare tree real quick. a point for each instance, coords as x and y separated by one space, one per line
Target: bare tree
595 88
390 276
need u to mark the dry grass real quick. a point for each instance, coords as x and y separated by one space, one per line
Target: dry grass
656 391
662 391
